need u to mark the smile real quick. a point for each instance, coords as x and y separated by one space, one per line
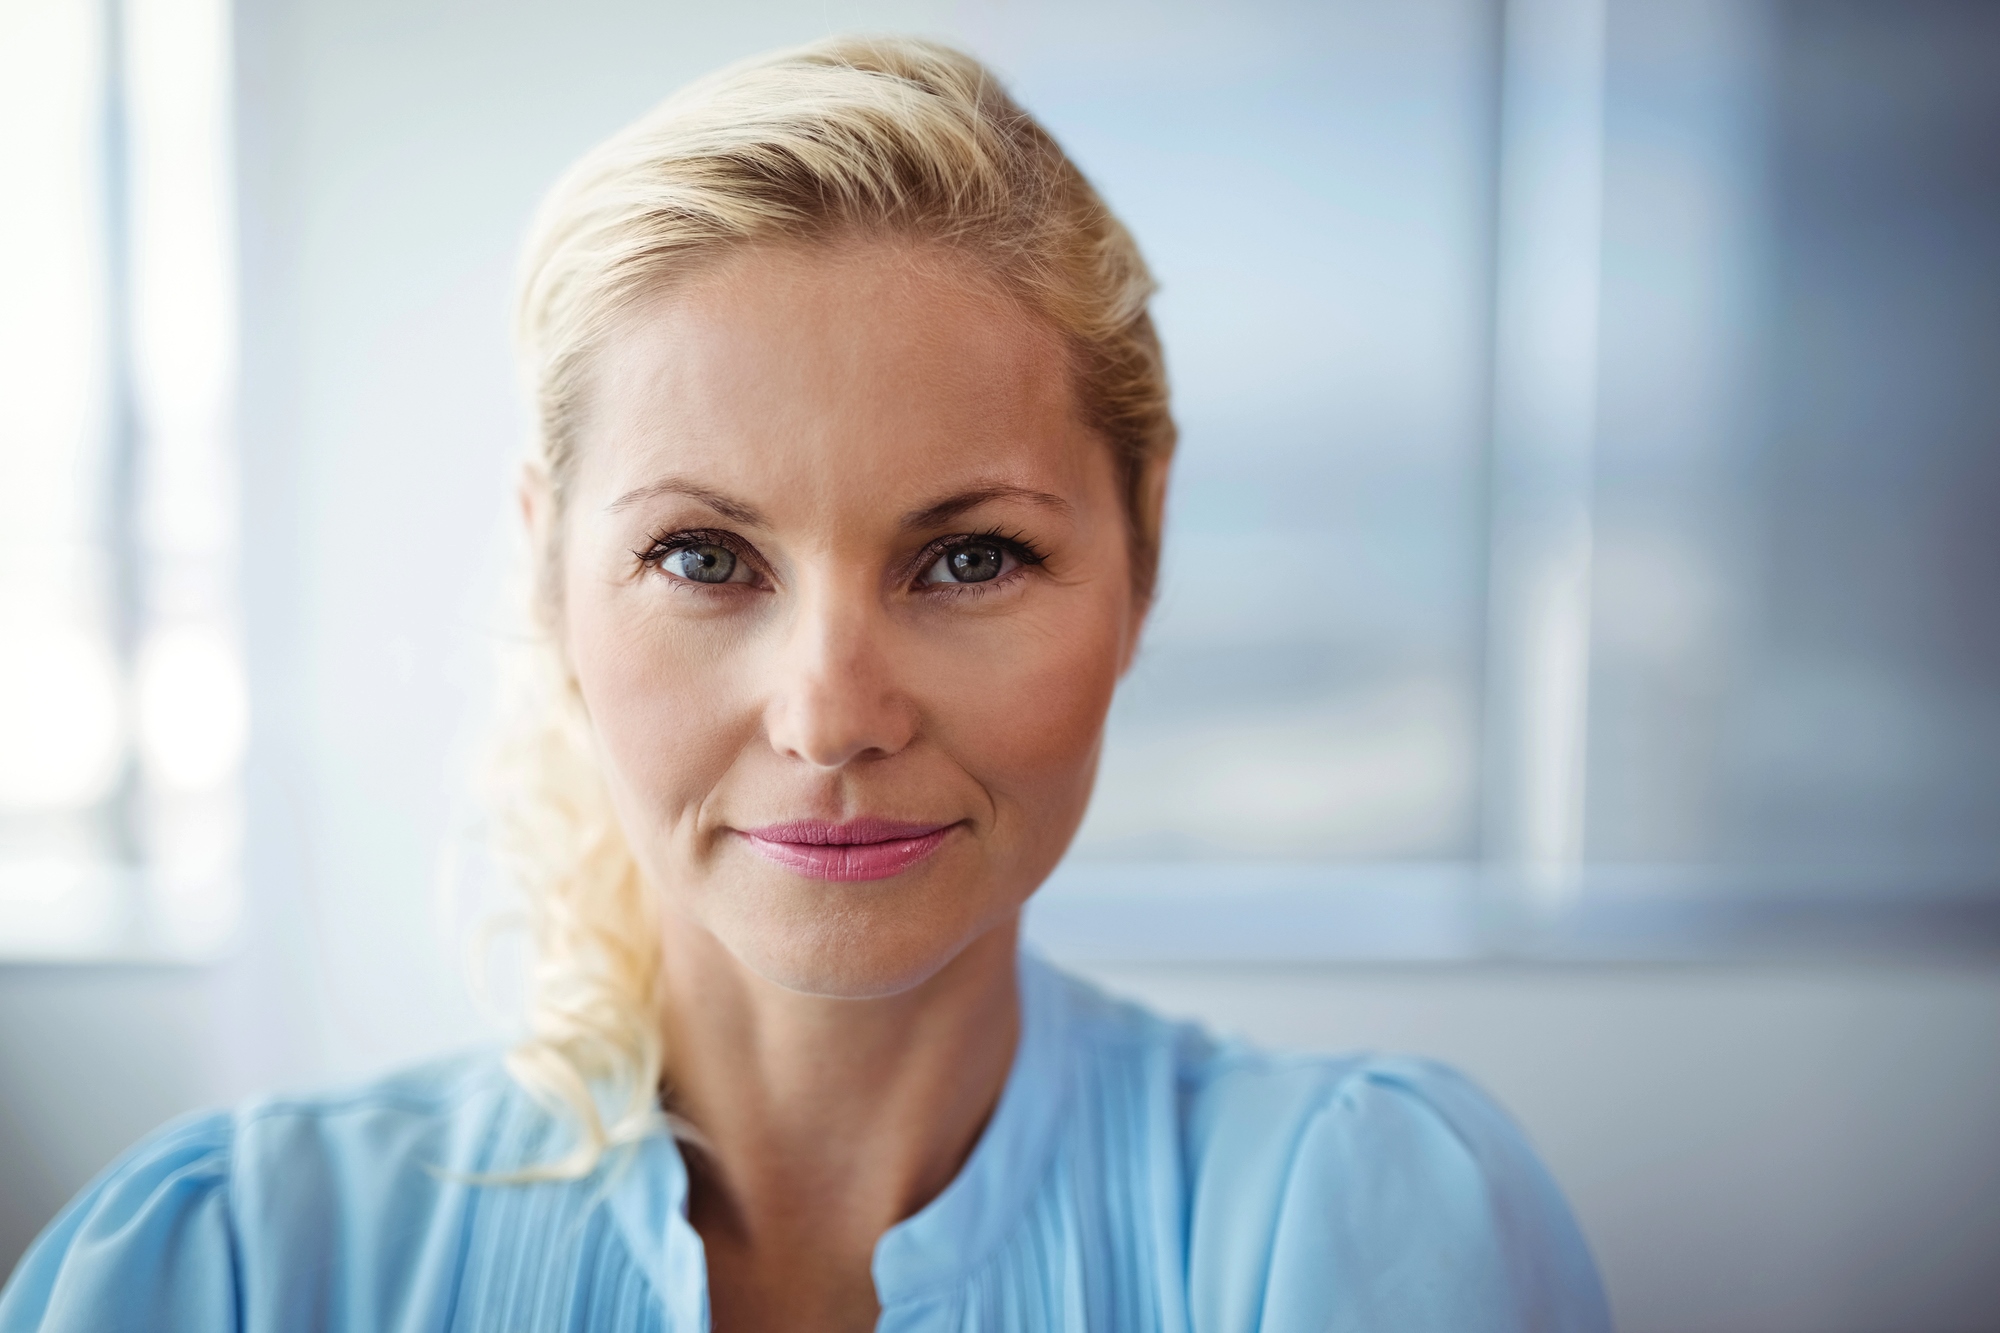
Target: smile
860 849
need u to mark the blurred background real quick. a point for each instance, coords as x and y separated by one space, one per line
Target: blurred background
1579 648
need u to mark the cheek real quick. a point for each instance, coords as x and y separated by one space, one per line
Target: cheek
1025 719
659 701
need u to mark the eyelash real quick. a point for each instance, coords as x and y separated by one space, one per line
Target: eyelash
1022 547
1019 545
663 544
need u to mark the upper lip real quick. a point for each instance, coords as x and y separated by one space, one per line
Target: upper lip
847 833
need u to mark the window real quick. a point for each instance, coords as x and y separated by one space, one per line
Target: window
1585 534
1583 537
122 704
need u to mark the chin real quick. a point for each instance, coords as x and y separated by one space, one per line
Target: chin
852 942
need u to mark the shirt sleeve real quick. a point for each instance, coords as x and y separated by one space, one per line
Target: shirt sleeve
1414 1203
148 1246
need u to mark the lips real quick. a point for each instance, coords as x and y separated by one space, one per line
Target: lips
859 849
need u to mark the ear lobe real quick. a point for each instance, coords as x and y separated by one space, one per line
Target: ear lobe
1138 632
1153 494
1135 631
1150 504
535 494
536 499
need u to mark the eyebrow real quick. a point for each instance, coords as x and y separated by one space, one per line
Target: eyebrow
953 505
733 510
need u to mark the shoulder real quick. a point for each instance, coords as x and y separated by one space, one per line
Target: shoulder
370 1145
153 1228
1372 1191
1358 1191
183 1229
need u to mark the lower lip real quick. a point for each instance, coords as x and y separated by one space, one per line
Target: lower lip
848 862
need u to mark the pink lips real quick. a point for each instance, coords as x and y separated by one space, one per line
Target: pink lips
859 849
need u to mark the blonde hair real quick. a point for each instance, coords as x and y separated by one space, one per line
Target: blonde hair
870 137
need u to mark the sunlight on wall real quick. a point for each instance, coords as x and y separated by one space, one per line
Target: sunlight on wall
123 710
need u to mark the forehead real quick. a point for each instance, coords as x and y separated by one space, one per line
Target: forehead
870 367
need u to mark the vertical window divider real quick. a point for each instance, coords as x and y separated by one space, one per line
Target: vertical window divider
122 442
1547 260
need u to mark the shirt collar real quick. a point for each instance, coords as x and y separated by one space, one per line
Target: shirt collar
925 1254
648 1196
952 1235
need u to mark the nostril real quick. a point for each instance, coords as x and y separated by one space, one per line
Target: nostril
829 721
837 698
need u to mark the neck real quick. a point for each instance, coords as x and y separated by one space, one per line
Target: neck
826 1121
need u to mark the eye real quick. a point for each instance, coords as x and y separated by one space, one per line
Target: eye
972 562
704 562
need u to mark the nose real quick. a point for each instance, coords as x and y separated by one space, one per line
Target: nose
835 697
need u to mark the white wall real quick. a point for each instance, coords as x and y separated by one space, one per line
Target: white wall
1751 1149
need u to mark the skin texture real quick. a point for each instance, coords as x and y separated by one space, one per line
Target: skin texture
835 418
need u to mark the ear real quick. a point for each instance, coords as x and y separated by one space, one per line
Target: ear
535 493
532 493
1151 505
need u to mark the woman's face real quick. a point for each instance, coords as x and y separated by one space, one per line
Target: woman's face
846 587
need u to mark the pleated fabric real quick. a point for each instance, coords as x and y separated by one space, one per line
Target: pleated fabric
1136 1175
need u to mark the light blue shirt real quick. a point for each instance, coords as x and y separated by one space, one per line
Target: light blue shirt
1136 1174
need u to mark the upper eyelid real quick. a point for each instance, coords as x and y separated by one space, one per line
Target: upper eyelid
1021 545
1026 556
662 542
665 543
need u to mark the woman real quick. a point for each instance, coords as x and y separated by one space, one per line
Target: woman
846 503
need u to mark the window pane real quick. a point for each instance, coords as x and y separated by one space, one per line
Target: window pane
1797 625
59 735
1309 183
189 697
122 709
